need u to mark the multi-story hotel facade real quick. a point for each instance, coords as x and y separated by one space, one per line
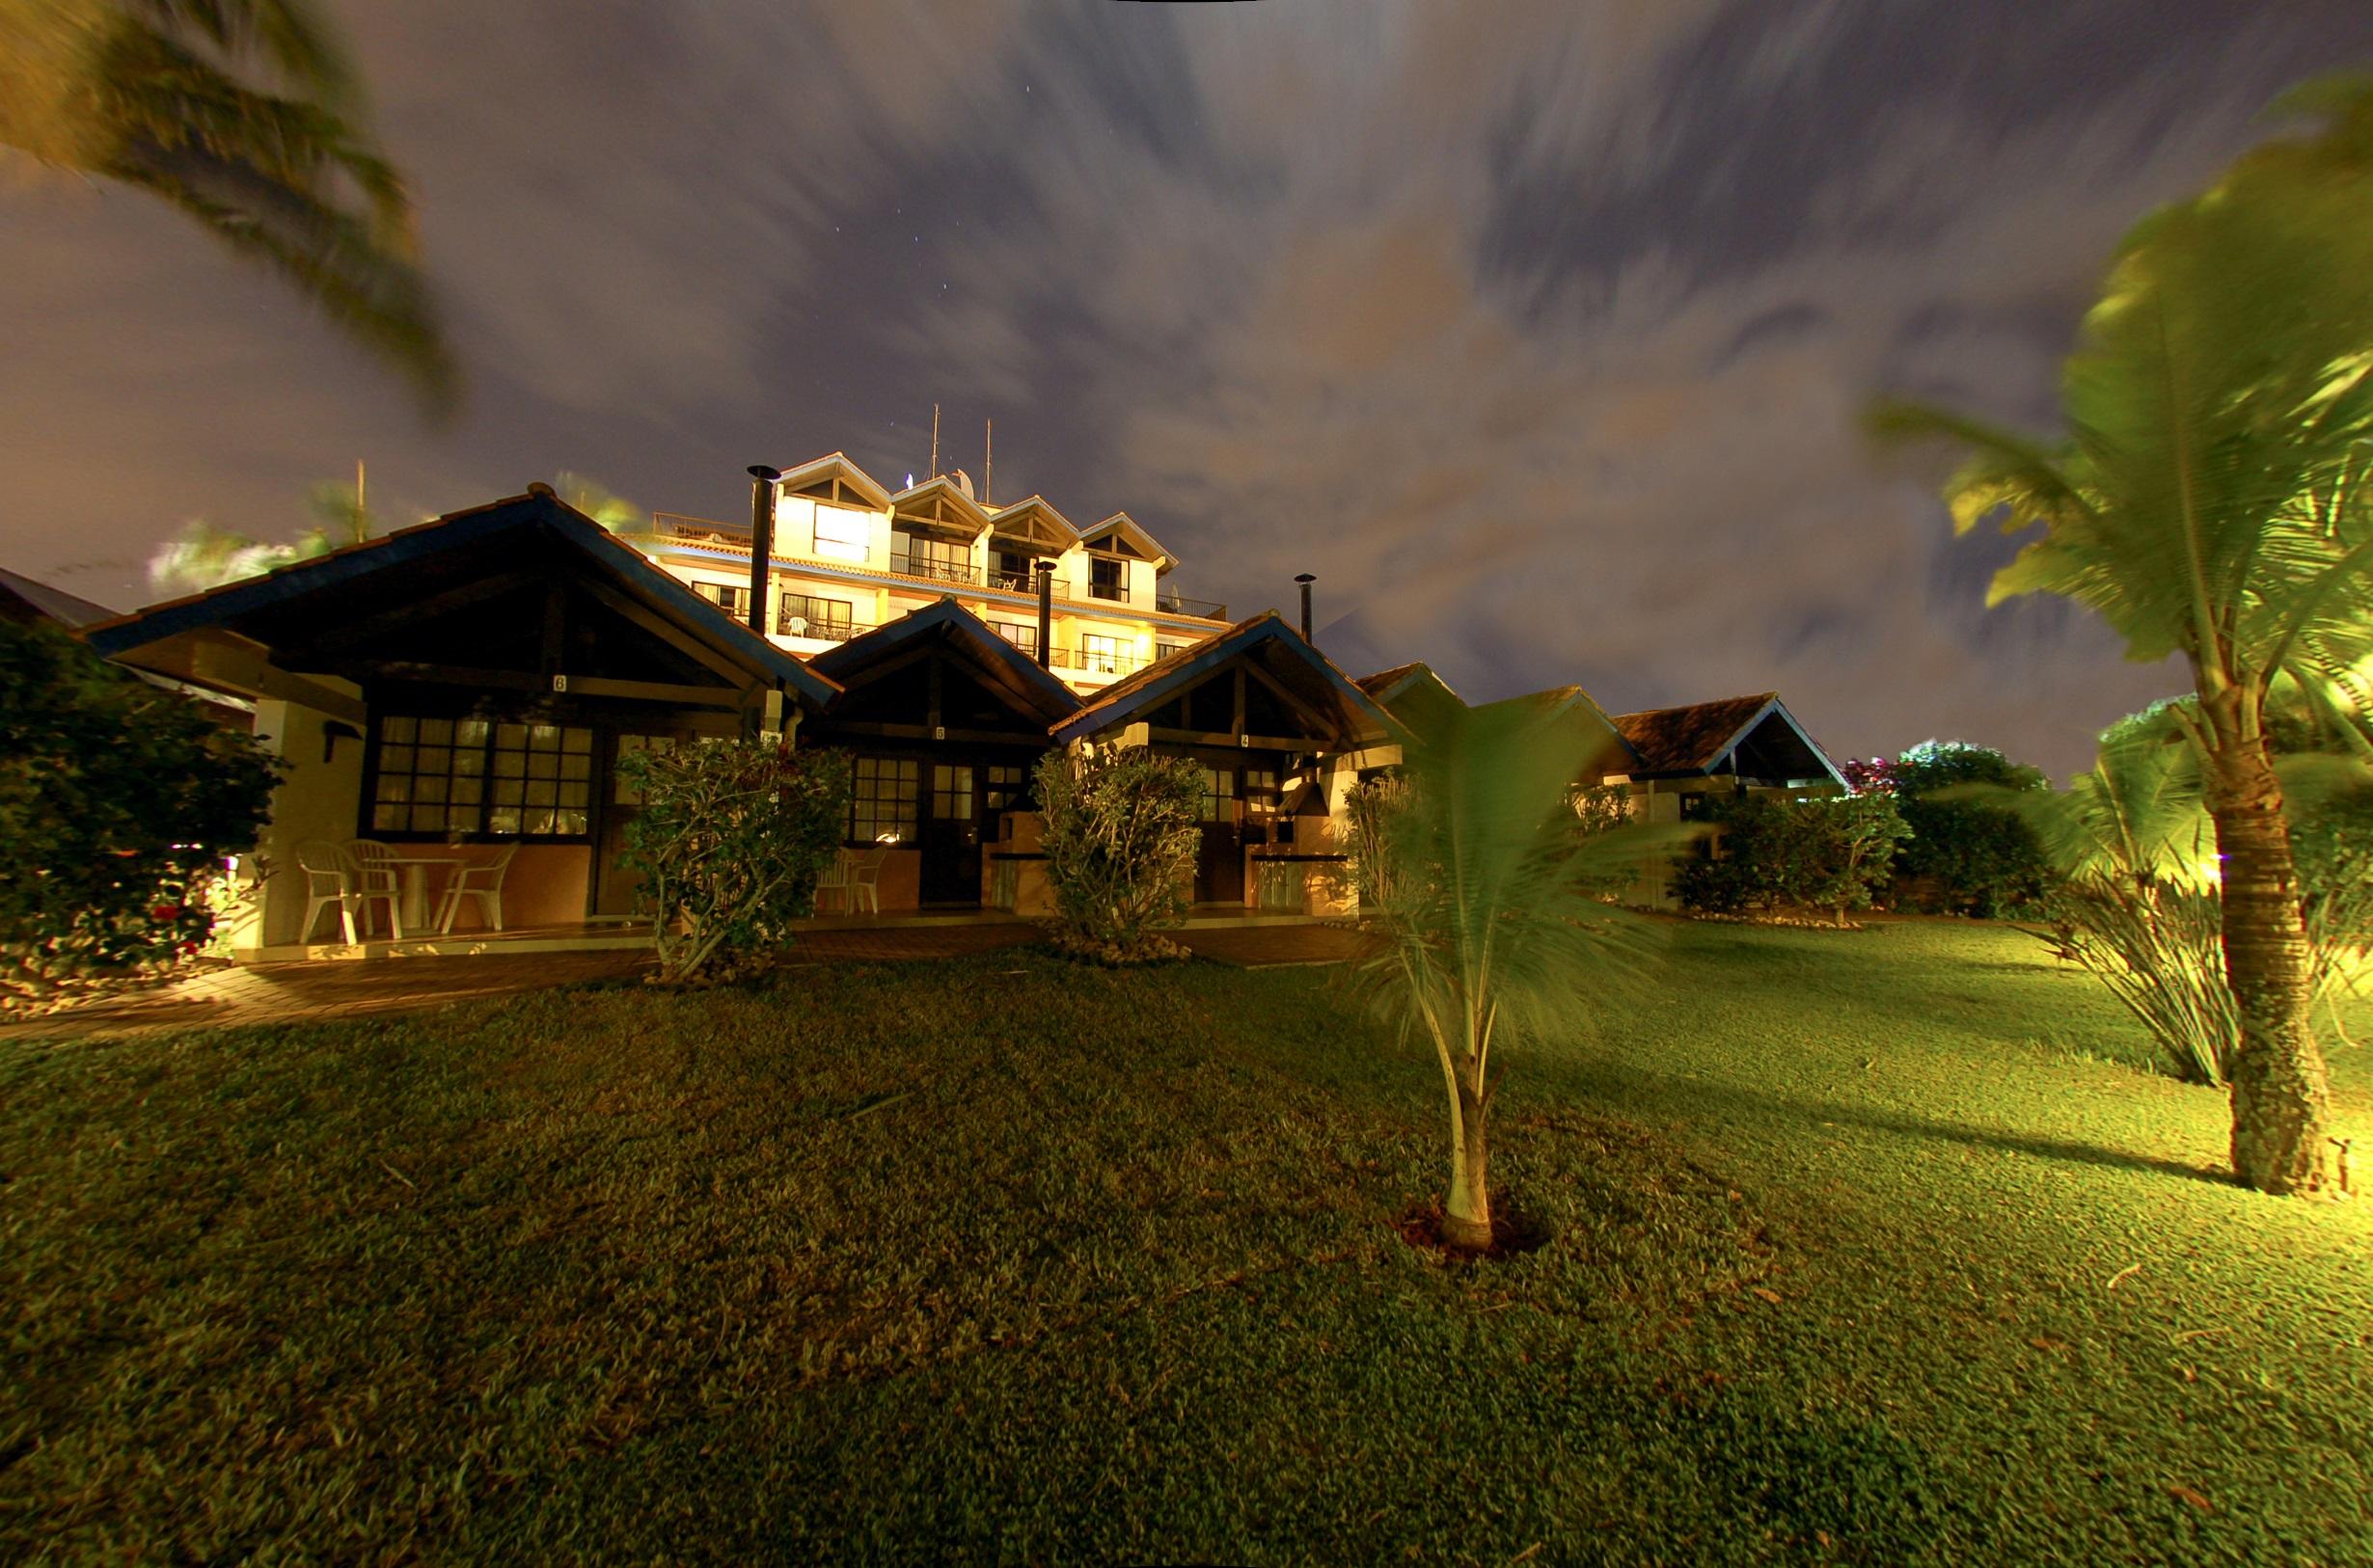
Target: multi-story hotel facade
848 555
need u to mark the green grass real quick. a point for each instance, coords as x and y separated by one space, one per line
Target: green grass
1866 1248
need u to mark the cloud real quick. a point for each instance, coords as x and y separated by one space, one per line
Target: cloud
1538 329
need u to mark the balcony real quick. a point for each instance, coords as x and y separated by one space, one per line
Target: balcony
788 625
939 570
1171 604
1097 662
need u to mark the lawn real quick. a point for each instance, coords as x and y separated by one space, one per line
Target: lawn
1862 1246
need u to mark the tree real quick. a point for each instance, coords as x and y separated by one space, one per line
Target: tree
731 841
1823 853
118 802
1120 837
1850 844
203 555
598 502
1981 857
1475 885
2210 501
246 115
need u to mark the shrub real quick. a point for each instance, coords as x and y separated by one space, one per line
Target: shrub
119 802
1966 855
1121 832
1768 852
730 841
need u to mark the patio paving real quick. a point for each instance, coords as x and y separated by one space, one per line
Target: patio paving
291 992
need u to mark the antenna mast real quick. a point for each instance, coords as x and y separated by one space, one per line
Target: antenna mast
935 441
987 458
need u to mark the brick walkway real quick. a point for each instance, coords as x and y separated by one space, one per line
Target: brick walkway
290 992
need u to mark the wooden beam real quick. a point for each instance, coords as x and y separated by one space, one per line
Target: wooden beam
1302 710
554 644
1236 727
462 596
872 673
932 712
248 670
829 731
408 670
1228 741
690 696
682 641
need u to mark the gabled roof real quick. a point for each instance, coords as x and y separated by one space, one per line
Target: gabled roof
1415 696
387 569
1122 525
938 500
1035 519
1616 755
1696 739
1034 689
21 598
835 466
1267 636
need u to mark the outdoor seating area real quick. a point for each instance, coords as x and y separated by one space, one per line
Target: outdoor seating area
854 880
361 875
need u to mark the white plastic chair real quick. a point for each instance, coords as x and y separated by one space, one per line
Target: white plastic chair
330 878
377 877
835 879
866 880
487 889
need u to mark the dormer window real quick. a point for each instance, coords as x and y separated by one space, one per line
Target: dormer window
840 534
1105 580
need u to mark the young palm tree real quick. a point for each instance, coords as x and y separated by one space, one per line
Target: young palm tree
245 115
598 502
2211 500
1475 874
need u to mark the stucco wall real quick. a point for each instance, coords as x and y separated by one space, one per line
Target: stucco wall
316 799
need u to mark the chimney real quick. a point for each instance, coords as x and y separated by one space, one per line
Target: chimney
762 482
1045 613
1305 578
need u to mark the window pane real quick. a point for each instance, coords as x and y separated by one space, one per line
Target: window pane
577 741
510 764
503 820
469 762
466 789
395 785
427 818
544 738
511 737
395 759
387 819
430 787
433 759
472 732
397 729
436 732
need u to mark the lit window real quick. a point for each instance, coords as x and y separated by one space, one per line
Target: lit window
734 602
1020 636
1218 794
841 534
442 777
1102 654
804 616
881 799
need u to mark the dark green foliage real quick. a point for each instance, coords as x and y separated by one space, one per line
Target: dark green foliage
730 841
118 802
1120 838
1967 856
1828 853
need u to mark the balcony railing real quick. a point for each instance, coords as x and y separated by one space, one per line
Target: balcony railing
788 625
1097 662
709 533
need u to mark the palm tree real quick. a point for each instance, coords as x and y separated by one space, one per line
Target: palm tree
1475 876
2210 501
598 502
246 115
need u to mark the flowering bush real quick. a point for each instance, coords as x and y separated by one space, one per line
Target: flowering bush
120 802
730 841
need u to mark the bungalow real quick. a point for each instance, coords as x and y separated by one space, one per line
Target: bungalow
466 688
468 683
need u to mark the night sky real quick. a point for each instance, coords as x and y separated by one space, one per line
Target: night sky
1537 330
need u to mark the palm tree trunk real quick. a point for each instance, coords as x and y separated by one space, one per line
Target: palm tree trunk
1466 1218
2279 1098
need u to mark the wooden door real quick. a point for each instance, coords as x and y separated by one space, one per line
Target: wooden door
1219 862
951 835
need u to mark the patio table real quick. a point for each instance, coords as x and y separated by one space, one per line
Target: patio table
416 886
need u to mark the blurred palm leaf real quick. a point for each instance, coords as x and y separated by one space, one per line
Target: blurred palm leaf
245 115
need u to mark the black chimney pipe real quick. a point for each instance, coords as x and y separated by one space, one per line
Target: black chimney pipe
762 482
1045 613
1305 578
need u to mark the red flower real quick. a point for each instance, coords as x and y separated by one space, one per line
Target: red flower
165 911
